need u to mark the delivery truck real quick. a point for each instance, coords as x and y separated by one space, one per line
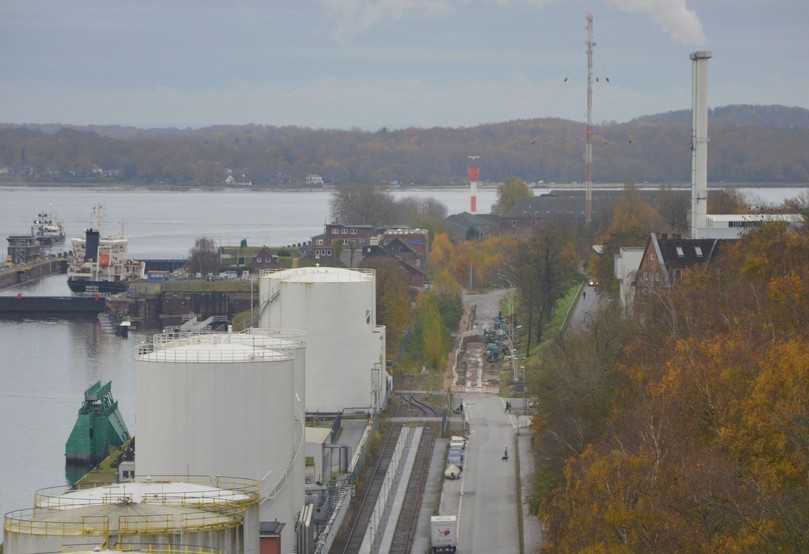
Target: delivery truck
443 534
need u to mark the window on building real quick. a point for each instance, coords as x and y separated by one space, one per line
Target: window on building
258 260
698 251
680 251
327 251
345 242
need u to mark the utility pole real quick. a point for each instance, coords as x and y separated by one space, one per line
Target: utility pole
588 148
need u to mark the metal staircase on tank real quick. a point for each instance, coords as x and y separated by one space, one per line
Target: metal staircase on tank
273 297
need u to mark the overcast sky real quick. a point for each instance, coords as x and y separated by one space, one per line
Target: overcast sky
395 63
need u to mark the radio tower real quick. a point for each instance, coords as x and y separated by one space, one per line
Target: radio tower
588 148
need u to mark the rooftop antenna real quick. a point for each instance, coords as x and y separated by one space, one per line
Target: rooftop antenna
588 148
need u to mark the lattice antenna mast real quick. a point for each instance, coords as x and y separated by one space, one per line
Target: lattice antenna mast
588 148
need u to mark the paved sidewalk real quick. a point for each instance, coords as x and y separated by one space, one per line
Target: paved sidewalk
532 528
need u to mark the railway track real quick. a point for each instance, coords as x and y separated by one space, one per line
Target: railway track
409 515
424 408
350 541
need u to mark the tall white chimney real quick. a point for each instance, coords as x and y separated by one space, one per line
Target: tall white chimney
699 143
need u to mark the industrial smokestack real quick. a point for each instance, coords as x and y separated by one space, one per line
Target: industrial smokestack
699 142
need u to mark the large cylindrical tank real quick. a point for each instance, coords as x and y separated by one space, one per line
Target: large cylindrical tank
336 307
225 404
209 512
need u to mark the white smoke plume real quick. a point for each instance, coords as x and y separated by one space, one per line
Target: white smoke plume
673 16
355 16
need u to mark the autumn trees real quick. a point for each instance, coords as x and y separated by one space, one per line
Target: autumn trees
203 256
509 193
687 433
744 149
369 205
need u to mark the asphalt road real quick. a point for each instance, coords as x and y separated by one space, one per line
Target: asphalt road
585 308
488 505
488 305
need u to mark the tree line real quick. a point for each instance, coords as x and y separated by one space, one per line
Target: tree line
749 146
684 425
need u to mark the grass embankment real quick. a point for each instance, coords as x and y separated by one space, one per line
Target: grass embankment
241 320
561 312
106 472
199 285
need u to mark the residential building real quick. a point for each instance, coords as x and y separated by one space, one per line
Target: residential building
626 264
665 258
264 259
376 254
466 226
314 180
347 245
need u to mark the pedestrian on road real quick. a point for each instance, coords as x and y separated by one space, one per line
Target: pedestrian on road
584 294
505 453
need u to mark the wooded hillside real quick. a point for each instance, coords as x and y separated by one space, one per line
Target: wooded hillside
748 144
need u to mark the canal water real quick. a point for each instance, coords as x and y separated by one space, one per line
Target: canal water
45 365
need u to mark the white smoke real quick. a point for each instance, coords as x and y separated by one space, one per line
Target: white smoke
673 16
352 17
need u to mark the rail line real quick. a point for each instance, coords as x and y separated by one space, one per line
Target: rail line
411 508
350 542
423 407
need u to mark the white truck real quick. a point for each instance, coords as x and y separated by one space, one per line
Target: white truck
443 534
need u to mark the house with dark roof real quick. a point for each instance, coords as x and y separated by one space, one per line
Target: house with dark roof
665 258
466 226
415 276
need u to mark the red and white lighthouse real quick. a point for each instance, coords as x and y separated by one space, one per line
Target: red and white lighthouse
473 172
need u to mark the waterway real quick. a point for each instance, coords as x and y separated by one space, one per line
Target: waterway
45 365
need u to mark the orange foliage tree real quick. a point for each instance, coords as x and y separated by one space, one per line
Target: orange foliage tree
694 435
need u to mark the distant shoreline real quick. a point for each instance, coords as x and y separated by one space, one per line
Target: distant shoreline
543 187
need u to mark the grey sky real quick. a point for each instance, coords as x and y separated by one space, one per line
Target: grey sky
373 63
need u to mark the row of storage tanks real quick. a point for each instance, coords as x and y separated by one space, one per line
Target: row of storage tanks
230 404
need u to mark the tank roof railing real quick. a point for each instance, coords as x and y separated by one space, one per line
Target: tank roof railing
266 273
24 522
28 522
145 548
207 347
223 493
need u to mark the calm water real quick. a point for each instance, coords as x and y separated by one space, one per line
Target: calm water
45 366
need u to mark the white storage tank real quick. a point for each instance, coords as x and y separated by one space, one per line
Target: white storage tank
218 513
336 307
226 404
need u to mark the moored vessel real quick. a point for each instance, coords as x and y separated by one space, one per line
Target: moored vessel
47 229
101 264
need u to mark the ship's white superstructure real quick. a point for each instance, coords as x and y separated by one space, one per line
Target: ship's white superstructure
102 263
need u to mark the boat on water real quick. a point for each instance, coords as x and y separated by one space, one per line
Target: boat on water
101 264
47 230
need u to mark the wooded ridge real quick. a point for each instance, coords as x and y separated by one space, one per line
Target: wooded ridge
748 144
